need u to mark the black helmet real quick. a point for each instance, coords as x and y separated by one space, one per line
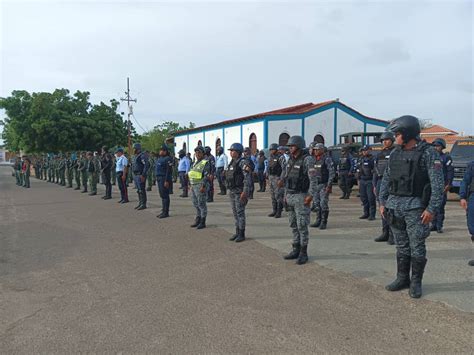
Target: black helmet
297 141
182 152
273 146
237 147
247 150
199 148
207 149
387 135
407 126
440 141
220 150
137 146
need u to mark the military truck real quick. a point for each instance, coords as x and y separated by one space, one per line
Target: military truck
462 153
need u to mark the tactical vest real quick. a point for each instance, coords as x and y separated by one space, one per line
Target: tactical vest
321 170
196 172
274 167
382 161
344 163
234 176
365 168
408 177
297 181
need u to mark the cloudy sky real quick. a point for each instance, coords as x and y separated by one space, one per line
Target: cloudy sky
209 61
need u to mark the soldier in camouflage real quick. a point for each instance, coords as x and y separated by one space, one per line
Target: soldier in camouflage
77 173
82 169
69 170
93 170
276 166
321 174
151 173
410 194
62 170
380 164
298 199
237 179
199 179
212 164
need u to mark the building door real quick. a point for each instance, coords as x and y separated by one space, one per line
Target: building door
185 147
199 143
318 139
283 139
253 143
218 144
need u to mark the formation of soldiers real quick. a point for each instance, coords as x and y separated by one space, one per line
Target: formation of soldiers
408 179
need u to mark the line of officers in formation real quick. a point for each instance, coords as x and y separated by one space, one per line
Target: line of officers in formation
408 178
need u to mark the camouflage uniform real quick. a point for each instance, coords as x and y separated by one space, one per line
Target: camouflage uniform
238 180
69 171
77 173
151 173
93 168
200 198
82 169
298 213
276 167
321 173
62 171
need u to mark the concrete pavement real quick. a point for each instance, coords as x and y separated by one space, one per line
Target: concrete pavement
78 274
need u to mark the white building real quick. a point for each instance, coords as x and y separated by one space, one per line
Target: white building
322 122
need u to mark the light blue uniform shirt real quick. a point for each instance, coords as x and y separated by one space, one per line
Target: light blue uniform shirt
184 165
221 161
121 163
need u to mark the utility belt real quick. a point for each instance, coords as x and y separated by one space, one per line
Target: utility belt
119 173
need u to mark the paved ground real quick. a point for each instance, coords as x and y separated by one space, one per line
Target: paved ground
78 274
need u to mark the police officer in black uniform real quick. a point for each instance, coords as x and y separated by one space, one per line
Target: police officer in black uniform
345 168
366 188
448 173
276 164
164 179
140 169
380 164
106 162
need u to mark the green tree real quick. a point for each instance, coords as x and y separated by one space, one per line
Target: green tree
154 139
58 121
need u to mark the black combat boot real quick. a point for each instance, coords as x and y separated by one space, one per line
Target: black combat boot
417 270
77 188
210 197
185 193
279 210
403 274
384 236
318 221
274 212
324 220
84 191
143 205
234 237
197 220
365 215
202 223
140 198
148 188
470 262
294 253
166 210
303 257
390 240
241 236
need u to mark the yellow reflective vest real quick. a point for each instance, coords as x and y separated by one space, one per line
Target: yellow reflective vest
196 172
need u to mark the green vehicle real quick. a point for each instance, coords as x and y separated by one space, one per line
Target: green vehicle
462 153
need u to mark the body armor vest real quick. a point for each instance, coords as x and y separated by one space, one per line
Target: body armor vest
321 170
344 163
297 181
382 161
274 167
234 176
407 175
366 168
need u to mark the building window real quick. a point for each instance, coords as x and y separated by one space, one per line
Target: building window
218 144
318 139
185 147
253 143
283 139
199 143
